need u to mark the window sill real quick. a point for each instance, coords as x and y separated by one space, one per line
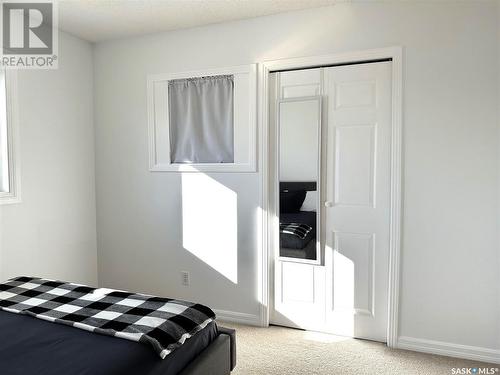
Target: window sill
204 167
8 198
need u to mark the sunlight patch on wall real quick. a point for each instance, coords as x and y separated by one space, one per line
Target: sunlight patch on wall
209 222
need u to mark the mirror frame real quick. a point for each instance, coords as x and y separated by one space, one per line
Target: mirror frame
318 260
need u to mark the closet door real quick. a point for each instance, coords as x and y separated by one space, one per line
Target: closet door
298 296
357 206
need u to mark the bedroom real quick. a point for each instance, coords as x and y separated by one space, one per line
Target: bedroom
91 210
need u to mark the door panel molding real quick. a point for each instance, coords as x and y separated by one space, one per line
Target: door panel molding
301 289
341 257
366 198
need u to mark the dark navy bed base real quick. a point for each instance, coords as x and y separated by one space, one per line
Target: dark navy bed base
33 346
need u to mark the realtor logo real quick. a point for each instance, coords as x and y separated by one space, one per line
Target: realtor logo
29 35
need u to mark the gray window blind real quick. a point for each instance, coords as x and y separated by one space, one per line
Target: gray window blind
201 119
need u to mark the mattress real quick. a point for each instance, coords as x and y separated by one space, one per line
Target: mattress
33 346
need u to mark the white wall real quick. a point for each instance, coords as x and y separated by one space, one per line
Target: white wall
450 290
52 232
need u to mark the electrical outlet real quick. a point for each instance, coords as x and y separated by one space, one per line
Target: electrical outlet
185 278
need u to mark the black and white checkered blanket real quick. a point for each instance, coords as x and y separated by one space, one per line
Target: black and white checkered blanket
161 322
295 229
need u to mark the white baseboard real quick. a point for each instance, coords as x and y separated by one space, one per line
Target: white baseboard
448 349
237 317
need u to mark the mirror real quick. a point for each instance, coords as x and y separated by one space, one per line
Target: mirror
299 160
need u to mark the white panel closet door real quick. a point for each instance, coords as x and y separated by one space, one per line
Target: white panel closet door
358 199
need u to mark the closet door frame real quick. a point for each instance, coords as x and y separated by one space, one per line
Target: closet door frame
265 266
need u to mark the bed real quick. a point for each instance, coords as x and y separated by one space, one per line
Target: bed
31 345
297 222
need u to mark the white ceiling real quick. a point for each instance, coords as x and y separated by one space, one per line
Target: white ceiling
98 20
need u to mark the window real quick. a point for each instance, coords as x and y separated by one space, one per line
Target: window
203 121
4 152
9 189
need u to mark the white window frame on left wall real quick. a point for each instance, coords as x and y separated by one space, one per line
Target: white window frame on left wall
11 116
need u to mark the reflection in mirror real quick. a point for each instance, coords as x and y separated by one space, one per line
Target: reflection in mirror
299 127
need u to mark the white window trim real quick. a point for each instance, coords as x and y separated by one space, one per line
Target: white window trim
14 195
158 120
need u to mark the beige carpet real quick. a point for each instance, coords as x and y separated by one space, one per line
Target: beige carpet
278 350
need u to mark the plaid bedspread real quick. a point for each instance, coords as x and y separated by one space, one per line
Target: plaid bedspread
296 229
163 323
